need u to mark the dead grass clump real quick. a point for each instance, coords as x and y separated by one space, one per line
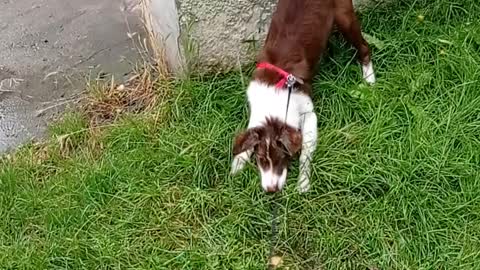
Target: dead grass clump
140 93
143 91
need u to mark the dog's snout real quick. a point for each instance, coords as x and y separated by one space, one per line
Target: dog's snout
271 189
272 182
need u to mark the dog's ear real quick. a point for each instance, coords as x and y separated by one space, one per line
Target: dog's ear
245 141
291 140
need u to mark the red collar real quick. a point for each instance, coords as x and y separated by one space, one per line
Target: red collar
285 75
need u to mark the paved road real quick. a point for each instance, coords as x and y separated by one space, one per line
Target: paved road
47 47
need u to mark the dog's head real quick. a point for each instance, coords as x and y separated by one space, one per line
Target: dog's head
274 144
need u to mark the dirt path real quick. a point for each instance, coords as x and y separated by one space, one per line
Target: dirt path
47 47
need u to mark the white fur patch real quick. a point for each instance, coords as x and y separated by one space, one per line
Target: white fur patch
272 181
368 73
303 183
239 161
267 101
309 144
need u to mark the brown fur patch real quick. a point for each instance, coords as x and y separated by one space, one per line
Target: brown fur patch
274 144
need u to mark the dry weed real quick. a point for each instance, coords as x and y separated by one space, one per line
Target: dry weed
154 40
140 93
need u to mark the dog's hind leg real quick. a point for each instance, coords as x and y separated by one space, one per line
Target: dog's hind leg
348 24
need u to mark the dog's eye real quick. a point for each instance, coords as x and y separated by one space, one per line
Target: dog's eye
276 144
262 161
284 150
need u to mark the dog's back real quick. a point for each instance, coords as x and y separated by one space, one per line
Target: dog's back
298 35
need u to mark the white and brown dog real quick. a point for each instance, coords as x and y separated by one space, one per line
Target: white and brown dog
282 122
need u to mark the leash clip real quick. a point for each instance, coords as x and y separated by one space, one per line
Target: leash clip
291 80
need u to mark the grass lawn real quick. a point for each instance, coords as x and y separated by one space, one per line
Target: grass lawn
396 180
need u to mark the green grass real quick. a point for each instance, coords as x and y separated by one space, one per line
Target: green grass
396 182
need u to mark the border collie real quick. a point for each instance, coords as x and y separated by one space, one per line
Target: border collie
282 119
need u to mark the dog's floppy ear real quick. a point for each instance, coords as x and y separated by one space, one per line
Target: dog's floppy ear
291 140
245 141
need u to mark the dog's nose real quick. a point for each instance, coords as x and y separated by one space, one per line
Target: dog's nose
272 189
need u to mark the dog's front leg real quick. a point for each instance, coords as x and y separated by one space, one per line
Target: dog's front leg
309 144
240 160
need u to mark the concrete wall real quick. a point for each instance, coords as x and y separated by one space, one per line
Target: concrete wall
219 34
165 19
223 32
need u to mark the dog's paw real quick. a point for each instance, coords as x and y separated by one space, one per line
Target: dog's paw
238 164
370 79
368 73
303 183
